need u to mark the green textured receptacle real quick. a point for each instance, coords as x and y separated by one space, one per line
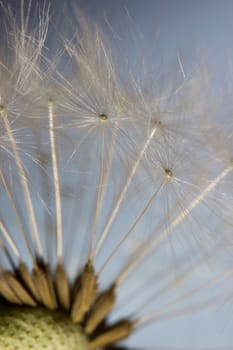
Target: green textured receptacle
23 328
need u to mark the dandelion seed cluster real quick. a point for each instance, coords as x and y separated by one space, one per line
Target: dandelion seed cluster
105 173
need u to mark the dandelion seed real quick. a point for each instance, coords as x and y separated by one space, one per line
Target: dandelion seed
86 175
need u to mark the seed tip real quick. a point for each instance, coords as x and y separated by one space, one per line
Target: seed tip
103 117
51 101
168 173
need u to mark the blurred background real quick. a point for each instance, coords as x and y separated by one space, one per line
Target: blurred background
177 27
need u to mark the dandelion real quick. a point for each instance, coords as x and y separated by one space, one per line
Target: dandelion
100 182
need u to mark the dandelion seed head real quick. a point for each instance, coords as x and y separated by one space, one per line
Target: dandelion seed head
105 175
21 328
